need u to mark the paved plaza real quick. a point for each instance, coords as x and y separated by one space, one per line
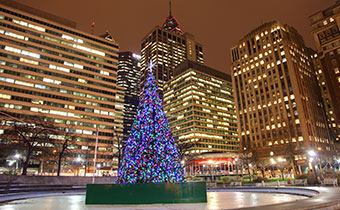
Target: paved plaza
216 200
266 198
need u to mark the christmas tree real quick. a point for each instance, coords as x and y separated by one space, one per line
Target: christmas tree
150 153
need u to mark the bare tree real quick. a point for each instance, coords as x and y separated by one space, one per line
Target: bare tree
120 146
290 150
260 164
245 157
62 148
31 135
182 148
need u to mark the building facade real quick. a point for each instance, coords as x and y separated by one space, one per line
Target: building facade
128 79
200 108
279 108
167 47
325 30
69 77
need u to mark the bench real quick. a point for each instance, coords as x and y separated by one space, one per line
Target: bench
330 181
302 182
236 184
210 184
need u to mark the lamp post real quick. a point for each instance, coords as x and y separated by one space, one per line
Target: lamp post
211 163
273 163
312 155
79 160
120 148
16 157
281 161
236 161
246 153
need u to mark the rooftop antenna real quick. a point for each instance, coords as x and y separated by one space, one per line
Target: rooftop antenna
92 27
170 8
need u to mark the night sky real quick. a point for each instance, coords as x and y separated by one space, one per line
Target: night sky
216 24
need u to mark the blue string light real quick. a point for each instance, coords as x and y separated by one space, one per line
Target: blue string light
150 154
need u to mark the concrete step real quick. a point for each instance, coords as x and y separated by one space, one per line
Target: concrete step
34 185
41 188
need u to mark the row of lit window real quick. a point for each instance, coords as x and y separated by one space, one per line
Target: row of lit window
47 80
18 66
64 55
61 121
67 37
8 33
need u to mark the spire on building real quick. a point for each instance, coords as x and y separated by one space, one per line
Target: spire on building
170 23
92 27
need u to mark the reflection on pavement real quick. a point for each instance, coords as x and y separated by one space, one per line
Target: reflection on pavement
216 200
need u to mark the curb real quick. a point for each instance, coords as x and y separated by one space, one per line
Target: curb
21 196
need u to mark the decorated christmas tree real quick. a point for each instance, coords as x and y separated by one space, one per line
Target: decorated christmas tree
150 153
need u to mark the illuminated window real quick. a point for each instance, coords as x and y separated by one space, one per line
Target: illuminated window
5 96
24 83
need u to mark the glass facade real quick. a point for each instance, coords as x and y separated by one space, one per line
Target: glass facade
63 74
167 50
200 108
128 79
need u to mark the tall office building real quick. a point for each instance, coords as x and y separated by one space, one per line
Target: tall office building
128 79
325 30
280 111
167 47
200 107
51 69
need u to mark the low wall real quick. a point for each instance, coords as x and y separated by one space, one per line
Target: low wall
67 180
146 193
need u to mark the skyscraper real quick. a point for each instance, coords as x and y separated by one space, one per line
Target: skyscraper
200 107
128 79
325 30
51 69
167 47
280 111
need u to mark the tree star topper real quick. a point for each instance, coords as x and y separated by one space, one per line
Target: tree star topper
151 65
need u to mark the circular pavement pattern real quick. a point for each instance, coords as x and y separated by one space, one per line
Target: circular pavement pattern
216 200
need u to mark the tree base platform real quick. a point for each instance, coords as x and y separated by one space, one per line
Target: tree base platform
146 193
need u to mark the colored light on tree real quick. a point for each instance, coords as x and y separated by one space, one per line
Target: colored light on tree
150 153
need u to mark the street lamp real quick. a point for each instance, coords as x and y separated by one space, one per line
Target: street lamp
16 157
281 160
211 162
312 154
272 161
236 161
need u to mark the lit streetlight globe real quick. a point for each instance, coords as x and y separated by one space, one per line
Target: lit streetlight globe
311 153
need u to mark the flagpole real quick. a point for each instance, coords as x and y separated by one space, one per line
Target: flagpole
95 156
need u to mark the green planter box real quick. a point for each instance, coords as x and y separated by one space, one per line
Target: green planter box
146 193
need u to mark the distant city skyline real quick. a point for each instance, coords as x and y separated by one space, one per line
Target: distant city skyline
216 24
